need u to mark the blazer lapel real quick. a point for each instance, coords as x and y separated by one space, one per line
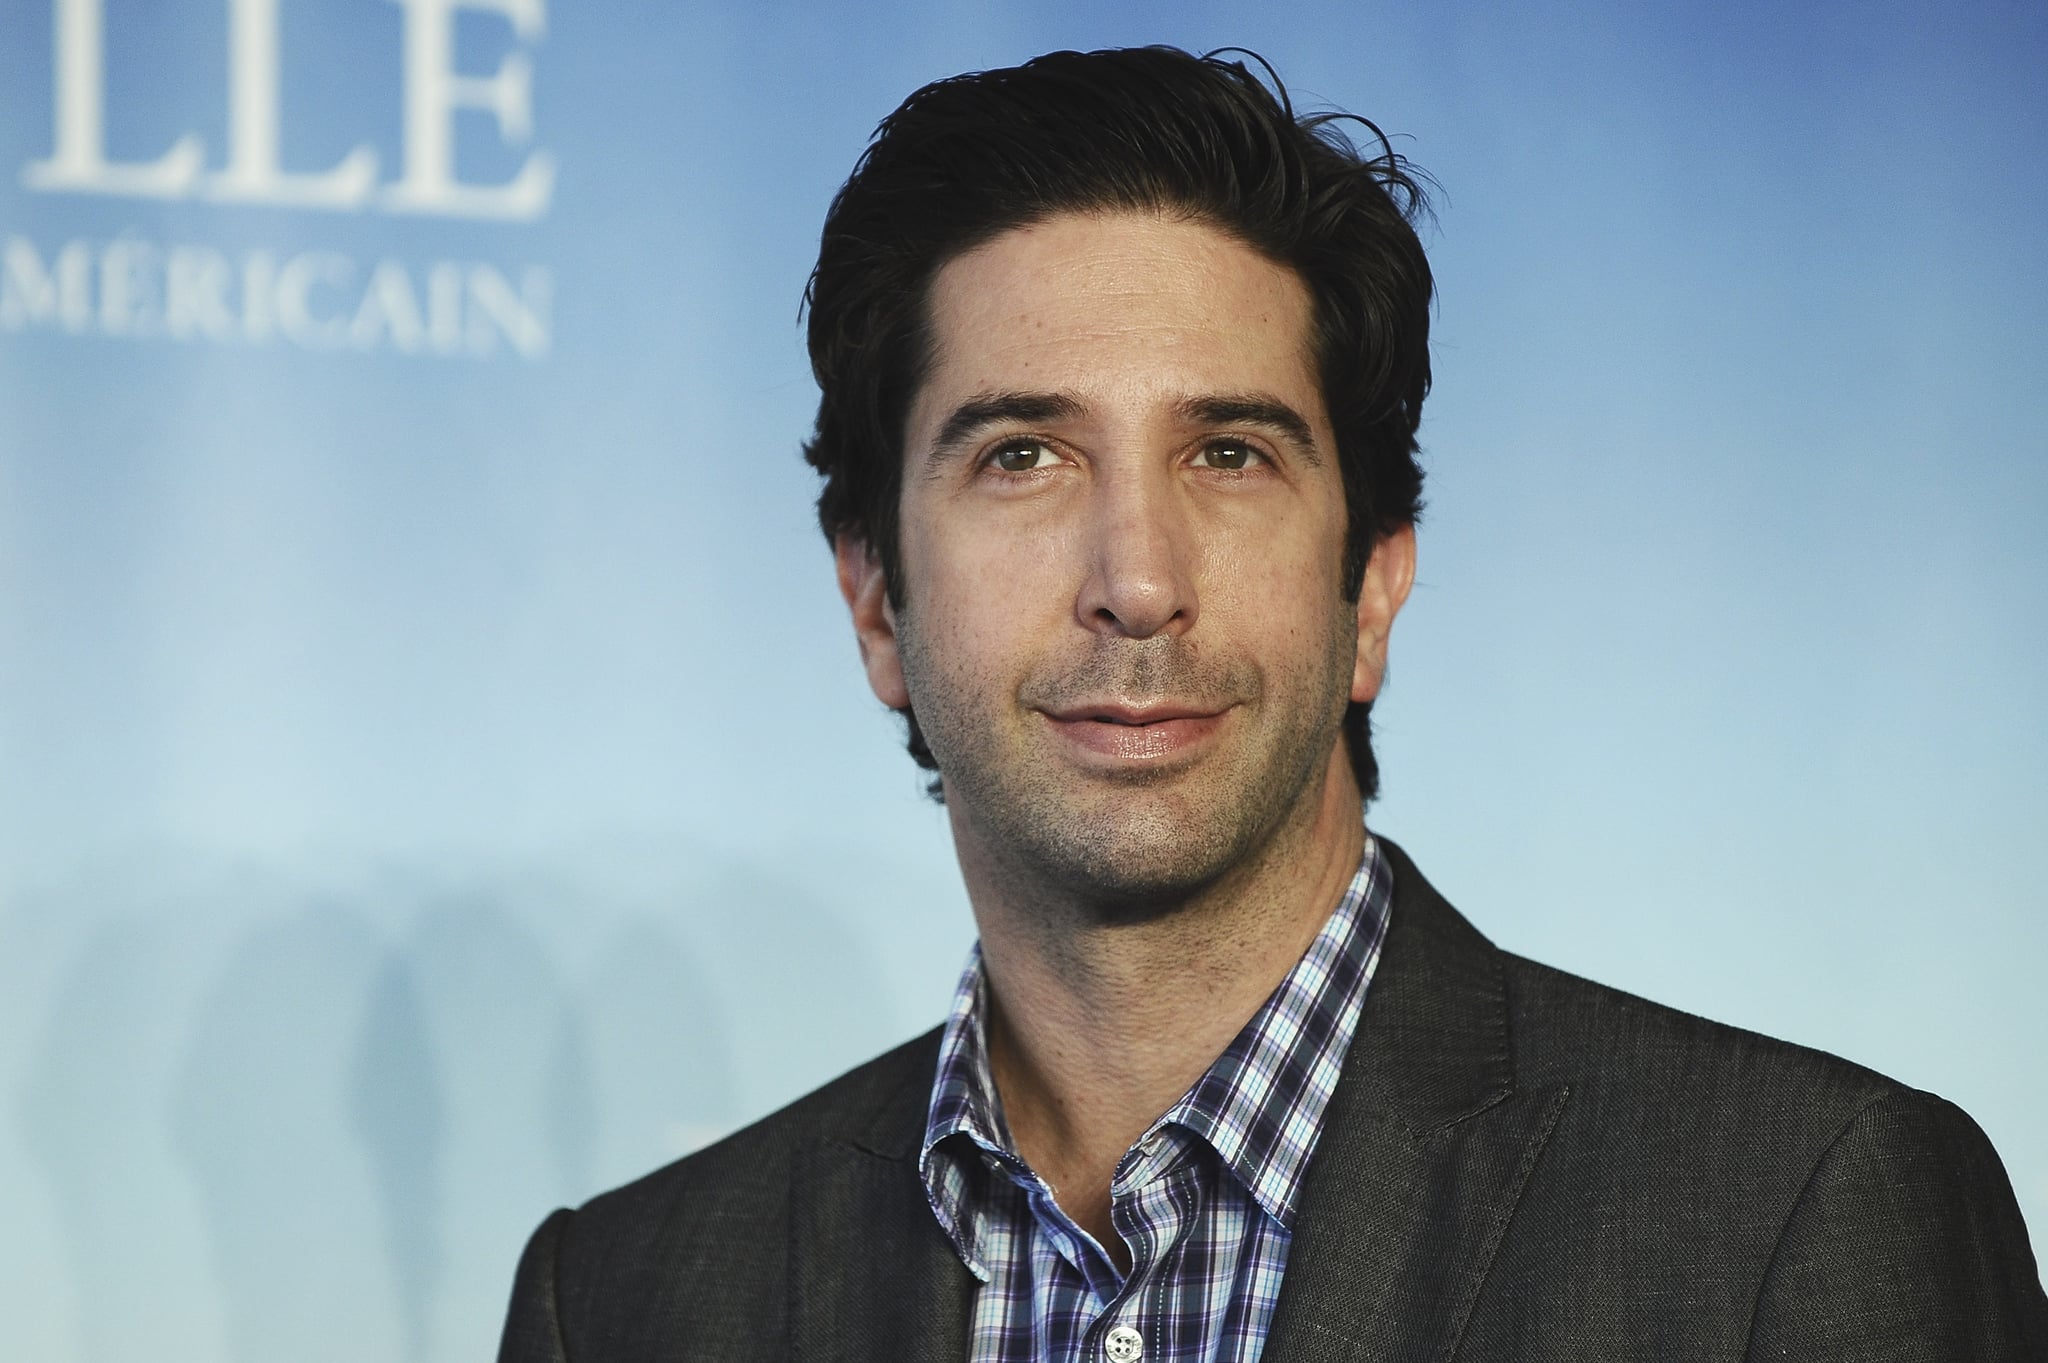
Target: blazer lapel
872 1276
1424 1153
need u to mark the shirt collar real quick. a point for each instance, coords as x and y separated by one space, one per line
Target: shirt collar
1260 1105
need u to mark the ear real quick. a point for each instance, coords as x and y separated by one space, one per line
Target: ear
866 589
1389 573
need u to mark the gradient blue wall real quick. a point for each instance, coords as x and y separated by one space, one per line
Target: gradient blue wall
435 783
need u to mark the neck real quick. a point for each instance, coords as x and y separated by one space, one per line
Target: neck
1101 1022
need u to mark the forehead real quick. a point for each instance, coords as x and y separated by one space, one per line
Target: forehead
1117 308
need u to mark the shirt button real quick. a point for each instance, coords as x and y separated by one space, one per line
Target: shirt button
1123 1345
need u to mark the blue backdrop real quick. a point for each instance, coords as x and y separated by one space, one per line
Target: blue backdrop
435 781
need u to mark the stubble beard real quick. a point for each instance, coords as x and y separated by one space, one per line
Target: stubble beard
1136 846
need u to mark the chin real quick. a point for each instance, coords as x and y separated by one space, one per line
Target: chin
1137 860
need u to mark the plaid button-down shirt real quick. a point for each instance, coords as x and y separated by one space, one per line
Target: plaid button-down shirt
1205 1200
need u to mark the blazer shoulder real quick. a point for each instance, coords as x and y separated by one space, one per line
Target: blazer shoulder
698 1249
879 1105
1677 1118
1575 1031
1784 1193
1448 998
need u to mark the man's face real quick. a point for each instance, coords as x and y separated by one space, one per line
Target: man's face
1123 628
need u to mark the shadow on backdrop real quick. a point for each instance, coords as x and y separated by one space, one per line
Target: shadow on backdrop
91 1116
274 1121
262 1120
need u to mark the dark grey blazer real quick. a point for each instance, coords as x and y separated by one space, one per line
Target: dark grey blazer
1518 1165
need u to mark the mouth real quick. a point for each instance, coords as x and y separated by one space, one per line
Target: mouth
1131 716
1148 734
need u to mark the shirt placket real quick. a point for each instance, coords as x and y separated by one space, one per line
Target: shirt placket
1151 1195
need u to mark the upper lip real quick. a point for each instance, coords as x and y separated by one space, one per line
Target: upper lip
1120 712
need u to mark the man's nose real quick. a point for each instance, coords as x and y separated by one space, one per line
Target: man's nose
1140 580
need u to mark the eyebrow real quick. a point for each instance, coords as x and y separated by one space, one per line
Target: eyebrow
989 409
1252 409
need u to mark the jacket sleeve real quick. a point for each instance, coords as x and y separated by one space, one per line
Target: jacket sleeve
533 1326
1905 1245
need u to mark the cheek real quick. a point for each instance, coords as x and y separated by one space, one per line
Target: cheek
1276 599
1283 565
986 597
971 568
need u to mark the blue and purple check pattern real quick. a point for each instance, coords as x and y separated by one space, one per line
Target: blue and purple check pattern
1205 1200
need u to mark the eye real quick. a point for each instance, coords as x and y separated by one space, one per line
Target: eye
1023 456
1228 455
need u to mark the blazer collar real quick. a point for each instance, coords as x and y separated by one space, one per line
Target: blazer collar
1426 1149
871 1274
1432 1044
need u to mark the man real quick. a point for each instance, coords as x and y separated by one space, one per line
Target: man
1121 369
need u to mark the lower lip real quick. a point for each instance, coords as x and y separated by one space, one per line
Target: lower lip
1138 742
